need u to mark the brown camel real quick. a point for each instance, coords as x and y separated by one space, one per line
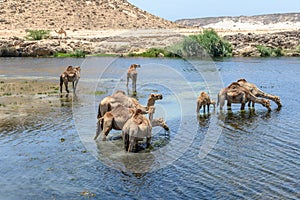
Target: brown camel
136 129
119 97
116 119
132 74
259 93
235 93
204 100
71 74
61 32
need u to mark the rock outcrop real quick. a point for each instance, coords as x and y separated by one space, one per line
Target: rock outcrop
245 44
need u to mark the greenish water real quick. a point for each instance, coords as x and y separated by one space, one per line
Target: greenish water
48 151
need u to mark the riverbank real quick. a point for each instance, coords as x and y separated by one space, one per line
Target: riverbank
122 42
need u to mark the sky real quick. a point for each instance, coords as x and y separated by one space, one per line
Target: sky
183 9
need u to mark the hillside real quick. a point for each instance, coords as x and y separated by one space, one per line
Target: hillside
286 21
76 15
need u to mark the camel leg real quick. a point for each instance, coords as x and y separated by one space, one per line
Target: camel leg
207 108
66 85
61 83
131 143
203 108
76 82
243 106
127 80
73 86
99 129
148 141
134 78
107 127
228 105
198 107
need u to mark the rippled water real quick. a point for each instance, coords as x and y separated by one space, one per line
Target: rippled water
48 151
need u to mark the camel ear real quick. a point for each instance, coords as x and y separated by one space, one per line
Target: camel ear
152 95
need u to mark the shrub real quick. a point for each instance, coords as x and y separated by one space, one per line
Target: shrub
203 45
209 43
154 52
75 54
267 51
8 52
37 34
264 51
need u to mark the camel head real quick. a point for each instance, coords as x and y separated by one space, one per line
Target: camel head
152 98
156 96
135 66
277 101
267 104
162 123
78 68
213 102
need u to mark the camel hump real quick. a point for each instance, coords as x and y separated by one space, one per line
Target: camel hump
70 68
138 117
234 85
242 80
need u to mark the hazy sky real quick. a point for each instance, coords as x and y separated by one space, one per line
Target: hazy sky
179 9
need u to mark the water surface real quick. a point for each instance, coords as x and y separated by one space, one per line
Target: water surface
48 151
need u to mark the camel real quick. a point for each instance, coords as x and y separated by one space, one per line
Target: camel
136 129
119 97
61 32
116 119
259 93
204 100
235 93
71 74
132 74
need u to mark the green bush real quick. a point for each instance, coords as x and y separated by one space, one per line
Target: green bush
264 51
267 51
203 45
37 34
8 52
154 52
209 43
75 54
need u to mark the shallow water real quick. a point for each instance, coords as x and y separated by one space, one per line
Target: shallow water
48 151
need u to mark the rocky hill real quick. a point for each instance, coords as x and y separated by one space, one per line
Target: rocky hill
258 22
76 15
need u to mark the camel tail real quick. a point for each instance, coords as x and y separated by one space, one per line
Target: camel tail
108 108
99 112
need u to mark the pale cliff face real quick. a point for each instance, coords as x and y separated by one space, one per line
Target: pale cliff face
287 21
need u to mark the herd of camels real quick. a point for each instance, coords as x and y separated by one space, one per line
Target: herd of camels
121 112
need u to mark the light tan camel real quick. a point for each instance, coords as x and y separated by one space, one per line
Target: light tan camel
235 93
132 74
204 100
71 74
119 97
259 93
61 32
116 119
136 129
